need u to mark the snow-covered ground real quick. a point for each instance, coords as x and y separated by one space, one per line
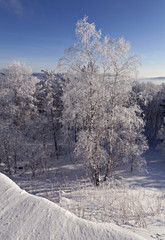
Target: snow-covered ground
27 217
135 202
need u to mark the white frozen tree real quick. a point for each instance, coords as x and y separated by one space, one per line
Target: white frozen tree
17 87
161 131
161 138
149 96
135 141
49 104
20 86
98 85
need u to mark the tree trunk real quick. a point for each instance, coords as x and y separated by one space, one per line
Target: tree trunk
69 142
54 133
132 163
109 164
75 133
107 172
7 158
15 162
97 180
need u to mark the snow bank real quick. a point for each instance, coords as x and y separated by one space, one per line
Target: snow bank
27 217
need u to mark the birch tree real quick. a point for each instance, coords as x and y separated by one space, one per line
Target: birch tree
98 84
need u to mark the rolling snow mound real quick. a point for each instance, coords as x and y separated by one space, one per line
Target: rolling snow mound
27 217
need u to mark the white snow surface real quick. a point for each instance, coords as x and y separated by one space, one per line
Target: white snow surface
27 217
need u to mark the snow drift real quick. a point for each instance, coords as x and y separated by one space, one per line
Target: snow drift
27 217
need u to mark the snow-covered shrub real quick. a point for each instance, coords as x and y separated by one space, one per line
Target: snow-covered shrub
115 201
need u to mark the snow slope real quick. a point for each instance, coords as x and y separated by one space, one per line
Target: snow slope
27 217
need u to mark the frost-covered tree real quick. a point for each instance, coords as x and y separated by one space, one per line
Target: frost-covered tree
17 87
161 130
49 104
149 97
96 96
161 138
135 141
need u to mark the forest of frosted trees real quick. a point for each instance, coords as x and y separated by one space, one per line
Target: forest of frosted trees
93 111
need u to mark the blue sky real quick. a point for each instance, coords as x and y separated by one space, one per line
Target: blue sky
37 32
